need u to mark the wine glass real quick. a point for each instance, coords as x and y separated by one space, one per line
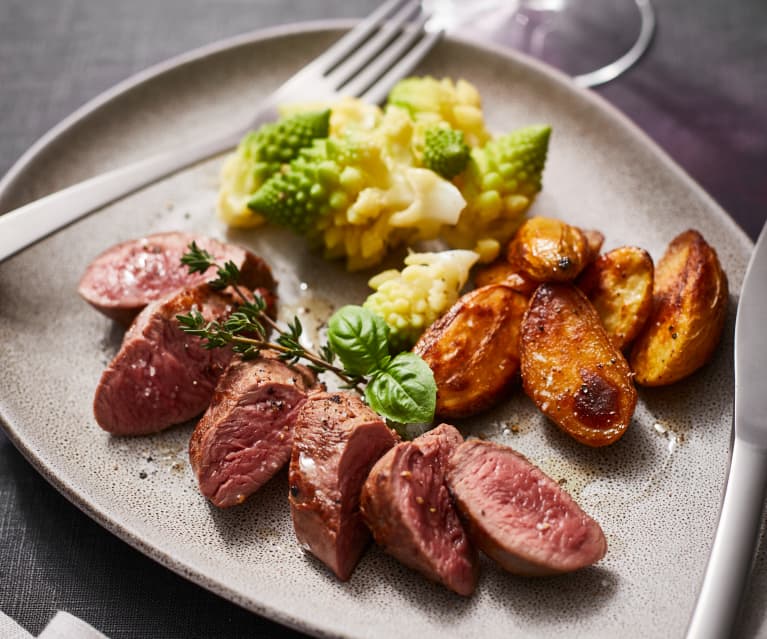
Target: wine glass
594 41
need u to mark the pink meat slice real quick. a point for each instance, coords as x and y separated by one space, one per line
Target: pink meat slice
518 515
336 441
125 278
162 376
246 434
406 505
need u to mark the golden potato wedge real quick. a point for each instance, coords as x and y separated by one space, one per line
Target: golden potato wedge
501 272
473 350
571 369
619 285
689 308
548 250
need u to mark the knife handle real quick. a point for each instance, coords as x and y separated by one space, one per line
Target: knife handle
729 565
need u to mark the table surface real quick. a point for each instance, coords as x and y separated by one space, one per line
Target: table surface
700 93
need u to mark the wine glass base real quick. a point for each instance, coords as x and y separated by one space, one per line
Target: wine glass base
594 41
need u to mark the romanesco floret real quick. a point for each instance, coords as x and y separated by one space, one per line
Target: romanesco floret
445 152
279 142
499 185
325 177
513 163
259 155
409 301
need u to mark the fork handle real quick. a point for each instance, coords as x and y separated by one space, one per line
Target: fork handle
31 223
736 537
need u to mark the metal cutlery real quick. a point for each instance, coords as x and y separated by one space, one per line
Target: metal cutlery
729 565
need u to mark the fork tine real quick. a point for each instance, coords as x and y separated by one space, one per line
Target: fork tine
351 40
393 52
378 92
370 49
371 67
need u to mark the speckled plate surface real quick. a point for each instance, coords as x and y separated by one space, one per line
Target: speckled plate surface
656 492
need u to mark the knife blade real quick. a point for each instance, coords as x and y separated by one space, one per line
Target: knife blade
737 534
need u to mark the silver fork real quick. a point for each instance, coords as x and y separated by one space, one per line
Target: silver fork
365 63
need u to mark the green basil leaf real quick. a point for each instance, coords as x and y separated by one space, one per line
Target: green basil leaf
404 391
360 339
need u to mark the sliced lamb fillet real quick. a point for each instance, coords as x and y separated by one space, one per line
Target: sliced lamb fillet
162 376
336 441
518 515
406 505
125 278
246 434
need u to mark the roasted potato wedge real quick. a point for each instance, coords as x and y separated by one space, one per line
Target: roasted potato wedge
619 285
571 369
501 272
473 350
689 308
549 250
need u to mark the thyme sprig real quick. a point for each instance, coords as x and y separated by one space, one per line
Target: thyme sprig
401 388
246 329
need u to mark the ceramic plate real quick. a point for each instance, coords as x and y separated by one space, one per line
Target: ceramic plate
656 492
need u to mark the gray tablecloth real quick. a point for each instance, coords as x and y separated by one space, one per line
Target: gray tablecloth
700 93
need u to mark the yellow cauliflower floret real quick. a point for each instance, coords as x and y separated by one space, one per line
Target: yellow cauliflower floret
415 205
238 183
350 115
395 136
430 101
409 301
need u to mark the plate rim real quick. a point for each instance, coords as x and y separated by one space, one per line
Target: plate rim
158 552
